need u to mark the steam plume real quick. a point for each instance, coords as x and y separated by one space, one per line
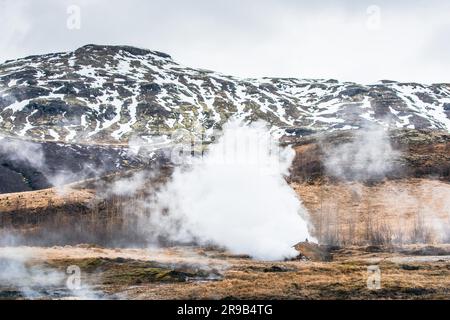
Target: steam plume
369 156
235 197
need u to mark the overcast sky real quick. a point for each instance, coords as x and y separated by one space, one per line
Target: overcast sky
361 41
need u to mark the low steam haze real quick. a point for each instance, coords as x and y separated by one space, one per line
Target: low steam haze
36 282
362 41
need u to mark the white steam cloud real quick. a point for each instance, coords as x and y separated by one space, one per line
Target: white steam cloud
369 156
235 197
24 151
17 272
31 153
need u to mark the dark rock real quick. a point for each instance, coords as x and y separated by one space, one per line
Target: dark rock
300 131
150 88
276 269
409 267
313 251
66 89
373 249
354 90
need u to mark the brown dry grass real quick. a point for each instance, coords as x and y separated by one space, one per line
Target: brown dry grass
43 199
342 213
403 211
336 280
343 278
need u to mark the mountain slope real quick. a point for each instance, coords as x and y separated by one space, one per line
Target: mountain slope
26 166
108 94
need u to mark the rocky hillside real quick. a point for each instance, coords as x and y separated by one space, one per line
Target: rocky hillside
109 93
26 165
412 154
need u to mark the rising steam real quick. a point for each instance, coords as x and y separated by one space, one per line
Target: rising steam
369 156
17 272
235 197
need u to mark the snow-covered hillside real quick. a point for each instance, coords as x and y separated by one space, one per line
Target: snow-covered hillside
108 94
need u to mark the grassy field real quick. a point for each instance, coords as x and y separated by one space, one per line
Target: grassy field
411 272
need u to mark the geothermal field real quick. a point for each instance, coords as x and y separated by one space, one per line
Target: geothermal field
348 215
125 175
